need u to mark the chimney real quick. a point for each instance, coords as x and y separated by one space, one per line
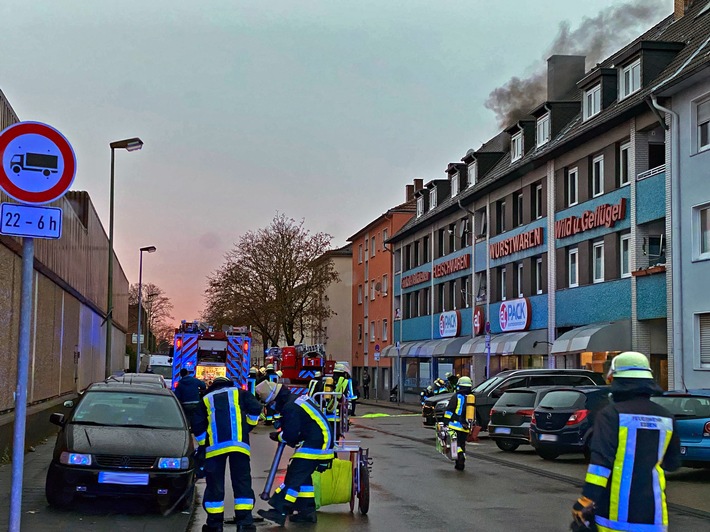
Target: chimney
563 73
418 184
409 196
680 8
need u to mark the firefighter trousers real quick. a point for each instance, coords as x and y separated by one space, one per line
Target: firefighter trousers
240 473
296 492
461 437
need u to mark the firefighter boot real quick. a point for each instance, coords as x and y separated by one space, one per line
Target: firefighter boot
212 528
460 462
304 517
274 515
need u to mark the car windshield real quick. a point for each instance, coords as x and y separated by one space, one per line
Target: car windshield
685 406
129 409
562 399
517 399
165 371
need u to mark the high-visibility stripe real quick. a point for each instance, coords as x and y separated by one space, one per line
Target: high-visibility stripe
618 471
201 438
216 507
252 420
307 489
235 412
227 447
291 495
317 416
243 504
662 516
599 470
313 454
597 480
610 525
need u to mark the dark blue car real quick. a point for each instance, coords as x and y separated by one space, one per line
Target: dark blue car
691 410
563 420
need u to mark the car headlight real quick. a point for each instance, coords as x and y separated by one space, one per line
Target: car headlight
174 463
441 405
76 459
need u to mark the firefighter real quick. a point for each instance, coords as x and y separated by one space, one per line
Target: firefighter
271 373
304 427
221 427
426 394
252 379
189 391
343 386
456 417
315 385
451 381
633 442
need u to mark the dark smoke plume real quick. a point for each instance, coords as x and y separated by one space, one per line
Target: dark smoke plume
596 38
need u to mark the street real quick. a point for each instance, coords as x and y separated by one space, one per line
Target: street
412 488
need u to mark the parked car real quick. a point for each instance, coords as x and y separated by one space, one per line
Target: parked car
123 440
691 410
489 391
509 426
564 419
150 379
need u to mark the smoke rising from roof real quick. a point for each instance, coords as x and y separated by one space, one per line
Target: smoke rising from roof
596 37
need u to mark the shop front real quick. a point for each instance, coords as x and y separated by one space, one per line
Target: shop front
592 346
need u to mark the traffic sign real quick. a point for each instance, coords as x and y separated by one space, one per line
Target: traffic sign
38 163
377 356
134 338
28 220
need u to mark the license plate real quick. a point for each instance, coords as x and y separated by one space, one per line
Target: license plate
128 479
683 450
548 437
502 430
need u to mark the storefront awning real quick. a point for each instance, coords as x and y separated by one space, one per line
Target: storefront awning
514 343
596 337
444 347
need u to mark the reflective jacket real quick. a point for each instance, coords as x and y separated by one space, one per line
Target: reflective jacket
633 442
188 389
304 426
343 386
225 420
456 413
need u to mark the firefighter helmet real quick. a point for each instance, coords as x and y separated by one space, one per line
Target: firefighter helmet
342 367
266 391
464 382
630 365
269 367
253 371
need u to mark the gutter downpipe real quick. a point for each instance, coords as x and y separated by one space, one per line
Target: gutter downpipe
473 275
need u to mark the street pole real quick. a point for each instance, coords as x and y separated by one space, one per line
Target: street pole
140 287
23 365
400 382
109 297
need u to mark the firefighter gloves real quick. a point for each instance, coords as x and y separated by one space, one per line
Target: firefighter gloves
583 515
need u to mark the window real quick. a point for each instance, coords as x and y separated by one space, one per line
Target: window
704 338
454 184
385 284
624 164
537 202
366 241
703 125
502 284
516 147
416 253
359 294
372 331
440 296
452 237
452 295
359 333
543 129
572 268
701 233
501 217
572 183
425 249
440 250
625 252
481 224
426 301
385 236
420 206
538 275
598 262
630 79
598 176
432 198
473 172
372 247
520 279
466 292
373 284
592 101
517 209
385 331
359 254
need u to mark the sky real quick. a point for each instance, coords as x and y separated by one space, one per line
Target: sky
320 109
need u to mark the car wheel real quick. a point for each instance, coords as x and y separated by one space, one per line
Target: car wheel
507 446
547 454
57 492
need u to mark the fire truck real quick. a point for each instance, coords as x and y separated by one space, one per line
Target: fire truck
210 354
299 364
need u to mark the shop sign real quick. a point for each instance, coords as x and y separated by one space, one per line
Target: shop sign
478 321
605 215
452 265
415 278
521 242
449 324
515 315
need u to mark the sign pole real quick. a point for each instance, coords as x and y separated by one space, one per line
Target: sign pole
488 350
400 393
23 364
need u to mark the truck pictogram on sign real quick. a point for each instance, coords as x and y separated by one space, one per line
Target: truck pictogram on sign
35 162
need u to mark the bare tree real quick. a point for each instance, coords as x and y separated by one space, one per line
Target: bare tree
158 309
273 280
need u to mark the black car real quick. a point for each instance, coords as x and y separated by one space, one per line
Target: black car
149 379
564 420
123 440
510 420
489 391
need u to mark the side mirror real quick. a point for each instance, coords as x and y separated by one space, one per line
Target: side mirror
68 404
57 419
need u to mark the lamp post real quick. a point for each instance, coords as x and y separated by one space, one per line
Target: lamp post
149 249
132 144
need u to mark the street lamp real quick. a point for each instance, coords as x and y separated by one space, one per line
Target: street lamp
132 144
149 249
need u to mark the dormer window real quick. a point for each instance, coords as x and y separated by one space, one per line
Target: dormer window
630 79
454 184
432 198
473 172
516 147
543 129
420 206
592 101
